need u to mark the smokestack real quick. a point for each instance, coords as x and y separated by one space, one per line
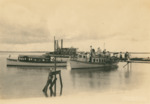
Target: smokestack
54 44
61 43
57 44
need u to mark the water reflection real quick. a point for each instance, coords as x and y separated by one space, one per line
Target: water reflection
127 73
24 82
125 78
92 78
32 68
28 68
37 69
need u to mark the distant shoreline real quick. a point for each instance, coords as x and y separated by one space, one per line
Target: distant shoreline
24 51
49 51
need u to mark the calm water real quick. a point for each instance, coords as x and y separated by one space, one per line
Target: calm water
27 82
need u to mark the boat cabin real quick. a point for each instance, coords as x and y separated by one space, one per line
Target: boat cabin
34 58
86 57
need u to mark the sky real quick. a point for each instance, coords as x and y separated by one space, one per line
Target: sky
117 25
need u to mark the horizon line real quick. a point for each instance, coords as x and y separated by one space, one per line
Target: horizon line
52 51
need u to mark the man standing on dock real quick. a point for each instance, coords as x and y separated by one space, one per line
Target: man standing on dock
127 56
121 56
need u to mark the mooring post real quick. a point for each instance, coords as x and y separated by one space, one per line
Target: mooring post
55 78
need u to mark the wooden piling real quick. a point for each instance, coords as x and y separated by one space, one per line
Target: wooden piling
55 78
53 83
60 83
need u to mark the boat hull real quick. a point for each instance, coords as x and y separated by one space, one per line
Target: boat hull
33 64
88 65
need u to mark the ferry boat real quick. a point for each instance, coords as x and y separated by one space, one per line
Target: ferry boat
37 61
86 61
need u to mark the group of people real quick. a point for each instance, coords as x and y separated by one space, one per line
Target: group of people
126 56
99 52
105 53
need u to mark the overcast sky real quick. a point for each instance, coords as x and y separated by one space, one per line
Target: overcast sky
30 25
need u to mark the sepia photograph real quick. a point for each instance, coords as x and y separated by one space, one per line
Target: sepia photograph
74 52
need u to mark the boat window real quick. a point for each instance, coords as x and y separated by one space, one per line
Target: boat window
97 60
84 56
93 60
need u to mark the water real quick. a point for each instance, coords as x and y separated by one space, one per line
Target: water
28 82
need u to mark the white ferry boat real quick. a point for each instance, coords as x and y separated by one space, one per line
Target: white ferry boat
85 61
37 60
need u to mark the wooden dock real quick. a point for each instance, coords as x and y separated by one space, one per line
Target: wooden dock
139 61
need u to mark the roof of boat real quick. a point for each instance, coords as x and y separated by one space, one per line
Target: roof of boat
42 56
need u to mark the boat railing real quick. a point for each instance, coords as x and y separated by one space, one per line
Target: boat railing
11 59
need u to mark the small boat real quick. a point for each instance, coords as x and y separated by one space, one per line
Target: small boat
85 61
37 61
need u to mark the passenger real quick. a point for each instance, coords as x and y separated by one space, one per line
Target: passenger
104 52
107 54
98 51
120 56
90 49
88 57
127 57
91 54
